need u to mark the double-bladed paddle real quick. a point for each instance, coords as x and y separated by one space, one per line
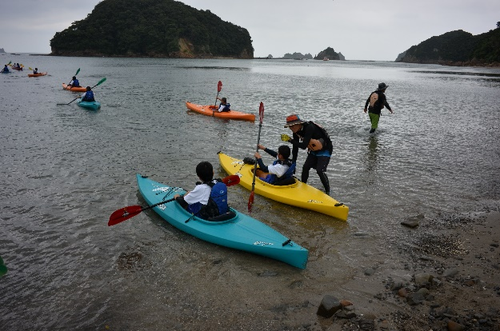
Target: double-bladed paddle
252 194
123 214
100 82
75 75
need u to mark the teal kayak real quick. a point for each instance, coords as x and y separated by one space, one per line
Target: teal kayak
92 105
240 232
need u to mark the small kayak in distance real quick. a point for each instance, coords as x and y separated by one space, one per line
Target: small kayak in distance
91 105
211 110
38 74
238 231
74 88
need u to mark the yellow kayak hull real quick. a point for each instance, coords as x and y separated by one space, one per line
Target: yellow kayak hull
298 194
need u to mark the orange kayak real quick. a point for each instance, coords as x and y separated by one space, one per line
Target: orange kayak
74 89
37 75
211 110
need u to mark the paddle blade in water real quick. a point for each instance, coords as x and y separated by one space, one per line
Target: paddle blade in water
124 214
250 201
3 267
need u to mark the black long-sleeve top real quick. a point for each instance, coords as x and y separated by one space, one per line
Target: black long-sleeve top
379 105
309 131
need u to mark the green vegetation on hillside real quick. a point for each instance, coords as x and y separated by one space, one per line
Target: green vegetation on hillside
457 48
152 28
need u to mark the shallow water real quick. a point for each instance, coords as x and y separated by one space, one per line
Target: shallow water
67 169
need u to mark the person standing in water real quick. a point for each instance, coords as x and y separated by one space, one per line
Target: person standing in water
375 103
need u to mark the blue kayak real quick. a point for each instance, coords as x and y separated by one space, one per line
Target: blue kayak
239 232
92 105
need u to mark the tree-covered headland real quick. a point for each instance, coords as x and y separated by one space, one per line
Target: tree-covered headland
457 48
152 28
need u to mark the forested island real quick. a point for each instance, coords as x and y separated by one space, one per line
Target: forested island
172 29
152 28
458 48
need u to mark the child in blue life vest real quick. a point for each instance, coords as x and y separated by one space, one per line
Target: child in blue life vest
89 95
281 169
201 201
224 105
74 82
35 71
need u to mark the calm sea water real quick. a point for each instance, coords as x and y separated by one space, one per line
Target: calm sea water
65 170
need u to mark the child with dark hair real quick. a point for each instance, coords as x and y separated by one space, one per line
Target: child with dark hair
74 82
281 169
197 200
89 95
224 105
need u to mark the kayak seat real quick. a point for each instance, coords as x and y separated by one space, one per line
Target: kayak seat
286 181
223 217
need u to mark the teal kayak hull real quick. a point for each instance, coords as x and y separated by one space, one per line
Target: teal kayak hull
241 232
92 105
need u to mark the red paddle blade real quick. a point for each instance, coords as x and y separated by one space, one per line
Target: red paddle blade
219 86
231 180
261 112
250 202
124 214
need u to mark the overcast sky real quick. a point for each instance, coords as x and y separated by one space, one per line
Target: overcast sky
359 29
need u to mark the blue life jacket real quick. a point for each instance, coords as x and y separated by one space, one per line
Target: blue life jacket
217 202
76 83
89 96
226 107
218 196
272 178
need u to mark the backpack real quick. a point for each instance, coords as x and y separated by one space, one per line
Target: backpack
217 203
373 99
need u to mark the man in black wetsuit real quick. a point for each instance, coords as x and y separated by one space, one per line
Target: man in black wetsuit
319 147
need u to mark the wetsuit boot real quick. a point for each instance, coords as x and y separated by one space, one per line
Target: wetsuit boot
325 182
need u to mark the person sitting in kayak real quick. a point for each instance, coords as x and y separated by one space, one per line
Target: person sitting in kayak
89 95
209 198
35 71
224 105
282 169
74 82
5 69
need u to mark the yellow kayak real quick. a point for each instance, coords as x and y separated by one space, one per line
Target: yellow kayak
298 194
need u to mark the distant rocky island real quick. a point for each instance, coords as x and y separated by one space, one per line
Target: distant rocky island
327 54
152 28
1 50
457 48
